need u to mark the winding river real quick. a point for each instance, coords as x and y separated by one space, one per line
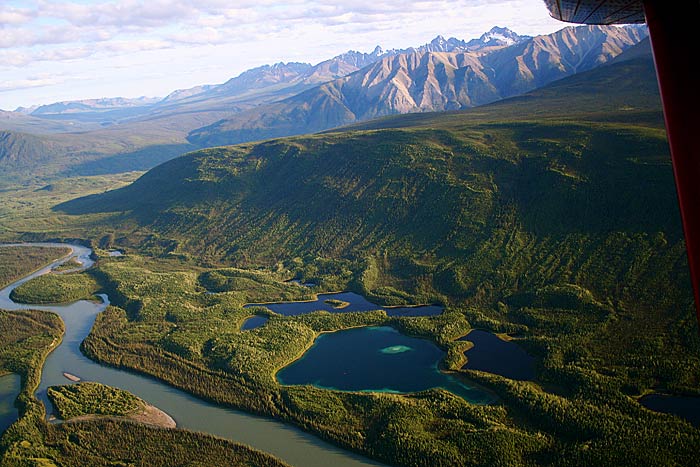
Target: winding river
284 441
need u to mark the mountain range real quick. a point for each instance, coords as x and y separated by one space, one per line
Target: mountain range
293 74
426 80
107 135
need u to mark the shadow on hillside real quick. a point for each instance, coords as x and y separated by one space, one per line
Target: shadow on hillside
90 204
143 159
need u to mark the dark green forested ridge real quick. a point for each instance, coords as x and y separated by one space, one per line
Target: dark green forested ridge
406 191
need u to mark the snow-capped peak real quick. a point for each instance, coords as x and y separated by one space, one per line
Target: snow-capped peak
501 36
496 36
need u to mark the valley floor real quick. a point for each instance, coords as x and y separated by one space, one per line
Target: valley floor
164 323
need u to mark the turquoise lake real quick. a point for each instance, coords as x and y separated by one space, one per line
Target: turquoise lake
376 359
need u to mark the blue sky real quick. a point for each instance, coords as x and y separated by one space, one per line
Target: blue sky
55 50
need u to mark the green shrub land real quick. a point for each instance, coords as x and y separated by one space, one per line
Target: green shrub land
18 261
562 230
580 411
110 442
89 398
69 265
55 288
26 338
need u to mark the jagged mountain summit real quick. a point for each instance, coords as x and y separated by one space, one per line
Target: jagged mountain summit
426 81
497 37
360 59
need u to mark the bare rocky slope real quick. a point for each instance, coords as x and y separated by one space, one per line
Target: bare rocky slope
423 80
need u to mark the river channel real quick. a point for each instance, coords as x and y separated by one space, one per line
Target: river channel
283 441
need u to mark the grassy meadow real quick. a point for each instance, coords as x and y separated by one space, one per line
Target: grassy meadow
17 262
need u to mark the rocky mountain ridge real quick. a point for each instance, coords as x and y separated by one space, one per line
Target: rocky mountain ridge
427 81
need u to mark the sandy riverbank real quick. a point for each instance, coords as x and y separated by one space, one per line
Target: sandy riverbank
150 415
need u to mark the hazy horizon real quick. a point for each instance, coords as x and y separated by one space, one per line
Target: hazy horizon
52 51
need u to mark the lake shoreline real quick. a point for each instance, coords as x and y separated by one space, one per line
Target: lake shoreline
436 369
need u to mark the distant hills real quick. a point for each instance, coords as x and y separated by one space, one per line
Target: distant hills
107 135
87 105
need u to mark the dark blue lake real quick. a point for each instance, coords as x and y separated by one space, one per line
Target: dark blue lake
686 407
356 303
494 355
376 359
254 322
9 390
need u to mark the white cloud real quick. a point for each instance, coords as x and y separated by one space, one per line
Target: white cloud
207 35
217 22
131 46
33 82
126 13
11 15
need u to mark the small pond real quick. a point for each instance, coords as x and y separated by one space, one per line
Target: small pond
494 355
377 359
115 253
356 303
686 407
254 322
10 386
